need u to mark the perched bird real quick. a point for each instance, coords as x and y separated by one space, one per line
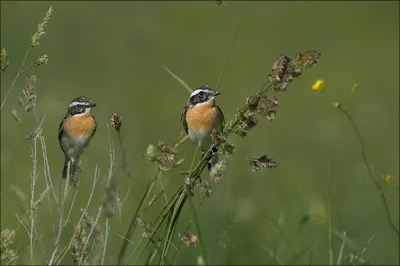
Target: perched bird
75 132
200 116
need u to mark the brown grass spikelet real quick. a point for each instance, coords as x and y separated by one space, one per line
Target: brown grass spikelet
8 255
163 155
285 69
279 69
203 187
35 133
271 115
4 60
217 137
252 101
248 120
147 227
217 171
189 184
27 98
189 239
17 116
37 36
265 162
77 249
222 145
266 104
306 59
116 122
83 229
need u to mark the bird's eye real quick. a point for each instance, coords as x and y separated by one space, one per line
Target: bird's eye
201 93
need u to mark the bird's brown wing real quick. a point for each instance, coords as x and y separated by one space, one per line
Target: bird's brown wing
61 129
183 118
221 114
95 127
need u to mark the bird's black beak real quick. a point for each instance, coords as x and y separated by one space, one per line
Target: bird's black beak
93 105
217 93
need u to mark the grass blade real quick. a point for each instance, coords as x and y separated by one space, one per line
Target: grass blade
201 239
229 51
133 224
178 79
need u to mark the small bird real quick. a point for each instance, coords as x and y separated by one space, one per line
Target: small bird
200 116
75 132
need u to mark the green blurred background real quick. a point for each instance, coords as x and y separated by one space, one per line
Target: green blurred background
113 52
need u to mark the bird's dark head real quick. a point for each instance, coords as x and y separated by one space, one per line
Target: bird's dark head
202 95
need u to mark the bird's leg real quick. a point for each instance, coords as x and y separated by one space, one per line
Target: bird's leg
76 170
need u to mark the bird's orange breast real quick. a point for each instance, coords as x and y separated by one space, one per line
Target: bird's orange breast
80 126
205 116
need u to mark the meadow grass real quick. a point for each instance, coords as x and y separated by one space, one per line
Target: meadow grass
88 243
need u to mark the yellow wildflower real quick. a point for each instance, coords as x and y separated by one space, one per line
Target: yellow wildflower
387 178
318 85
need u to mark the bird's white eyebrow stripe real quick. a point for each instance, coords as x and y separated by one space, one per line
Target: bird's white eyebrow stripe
79 103
198 91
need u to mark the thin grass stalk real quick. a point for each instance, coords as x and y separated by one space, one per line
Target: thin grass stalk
133 223
152 235
330 244
107 231
134 250
340 256
201 239
282 233
371 174
172 226
180 243
32 209
20 71
61 214
46 167
229 51
95 180
181 201
66 220
173 200
110 173
90 234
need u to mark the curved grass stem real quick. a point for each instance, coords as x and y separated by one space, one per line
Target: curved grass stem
201 239
20 71
374 179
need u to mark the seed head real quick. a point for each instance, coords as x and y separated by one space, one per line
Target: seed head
41 60
116 122
248 120
4 60
188 239
35 133
285 70
307 59
217 171
271 115
204 187
27 98
264 160
41 27
17 116
163 155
